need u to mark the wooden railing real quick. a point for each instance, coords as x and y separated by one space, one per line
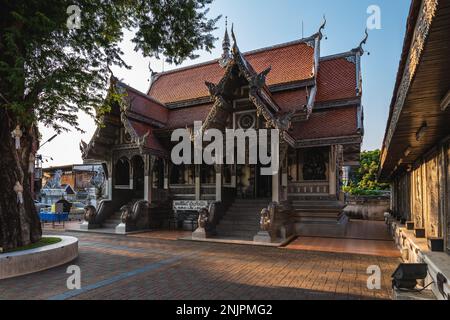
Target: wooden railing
311 187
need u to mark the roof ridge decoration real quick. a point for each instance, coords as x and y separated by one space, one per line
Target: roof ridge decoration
363 42
259 93
322 27
226 45
359 51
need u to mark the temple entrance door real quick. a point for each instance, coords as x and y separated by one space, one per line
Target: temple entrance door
263 184
138 177
251 184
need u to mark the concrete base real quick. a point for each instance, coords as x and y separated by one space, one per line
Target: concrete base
200 233
88 226
424 295
262 236
20 263
121 229
336 229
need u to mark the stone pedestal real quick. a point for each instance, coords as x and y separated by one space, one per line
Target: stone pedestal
200 233
121 229
88 226
263 236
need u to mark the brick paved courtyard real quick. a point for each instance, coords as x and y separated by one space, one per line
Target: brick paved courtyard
116 267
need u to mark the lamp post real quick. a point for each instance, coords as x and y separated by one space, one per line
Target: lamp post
38 160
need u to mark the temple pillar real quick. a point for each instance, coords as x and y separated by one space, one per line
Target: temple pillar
197 182
233 176
218 182
131 175
108 181
148 177
166 174
275 188
332 170
284 163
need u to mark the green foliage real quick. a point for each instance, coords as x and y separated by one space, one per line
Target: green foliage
46 241
365 179
49 72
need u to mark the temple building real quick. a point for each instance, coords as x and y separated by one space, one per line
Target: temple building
314 102
416 150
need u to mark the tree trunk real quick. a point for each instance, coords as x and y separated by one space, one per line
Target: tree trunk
19 222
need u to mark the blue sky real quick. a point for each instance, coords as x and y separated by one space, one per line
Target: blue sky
261 23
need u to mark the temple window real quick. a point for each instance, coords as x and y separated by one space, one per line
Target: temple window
314 164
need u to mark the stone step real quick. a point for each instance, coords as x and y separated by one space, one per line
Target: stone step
249 206
238 212
318 209
238 228
236 234
116 215
109 225
231 221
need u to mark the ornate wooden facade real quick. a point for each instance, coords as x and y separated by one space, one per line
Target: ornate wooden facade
314 101
415 156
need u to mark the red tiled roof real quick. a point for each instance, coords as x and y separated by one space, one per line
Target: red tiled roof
290 63
290 100
180 118
152 141
146 106
326 124
336 80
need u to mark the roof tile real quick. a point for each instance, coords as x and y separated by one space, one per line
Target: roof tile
290 63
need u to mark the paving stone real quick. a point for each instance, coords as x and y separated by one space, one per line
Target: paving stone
118 267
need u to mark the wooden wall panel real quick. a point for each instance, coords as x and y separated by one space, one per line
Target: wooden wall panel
431 187
447 195
417 198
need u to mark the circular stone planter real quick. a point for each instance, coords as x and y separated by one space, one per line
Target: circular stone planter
19 263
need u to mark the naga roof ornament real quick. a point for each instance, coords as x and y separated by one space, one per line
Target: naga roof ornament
363 42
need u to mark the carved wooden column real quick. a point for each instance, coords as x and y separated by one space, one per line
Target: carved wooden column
218 170
109 180
131 173
166 174
276 187
148 177
284 170
197 182
233 175
332 162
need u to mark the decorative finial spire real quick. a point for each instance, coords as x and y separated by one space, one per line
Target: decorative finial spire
322 27
226 45
363 42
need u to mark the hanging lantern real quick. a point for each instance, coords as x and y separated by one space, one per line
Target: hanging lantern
17 134
18 189
31 161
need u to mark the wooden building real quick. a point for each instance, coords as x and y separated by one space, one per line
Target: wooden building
314 102
416 153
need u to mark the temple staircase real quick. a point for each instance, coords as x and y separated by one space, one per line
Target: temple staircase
115 219
241 221
323 217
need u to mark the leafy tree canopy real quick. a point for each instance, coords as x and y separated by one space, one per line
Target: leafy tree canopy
365 180
48 71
